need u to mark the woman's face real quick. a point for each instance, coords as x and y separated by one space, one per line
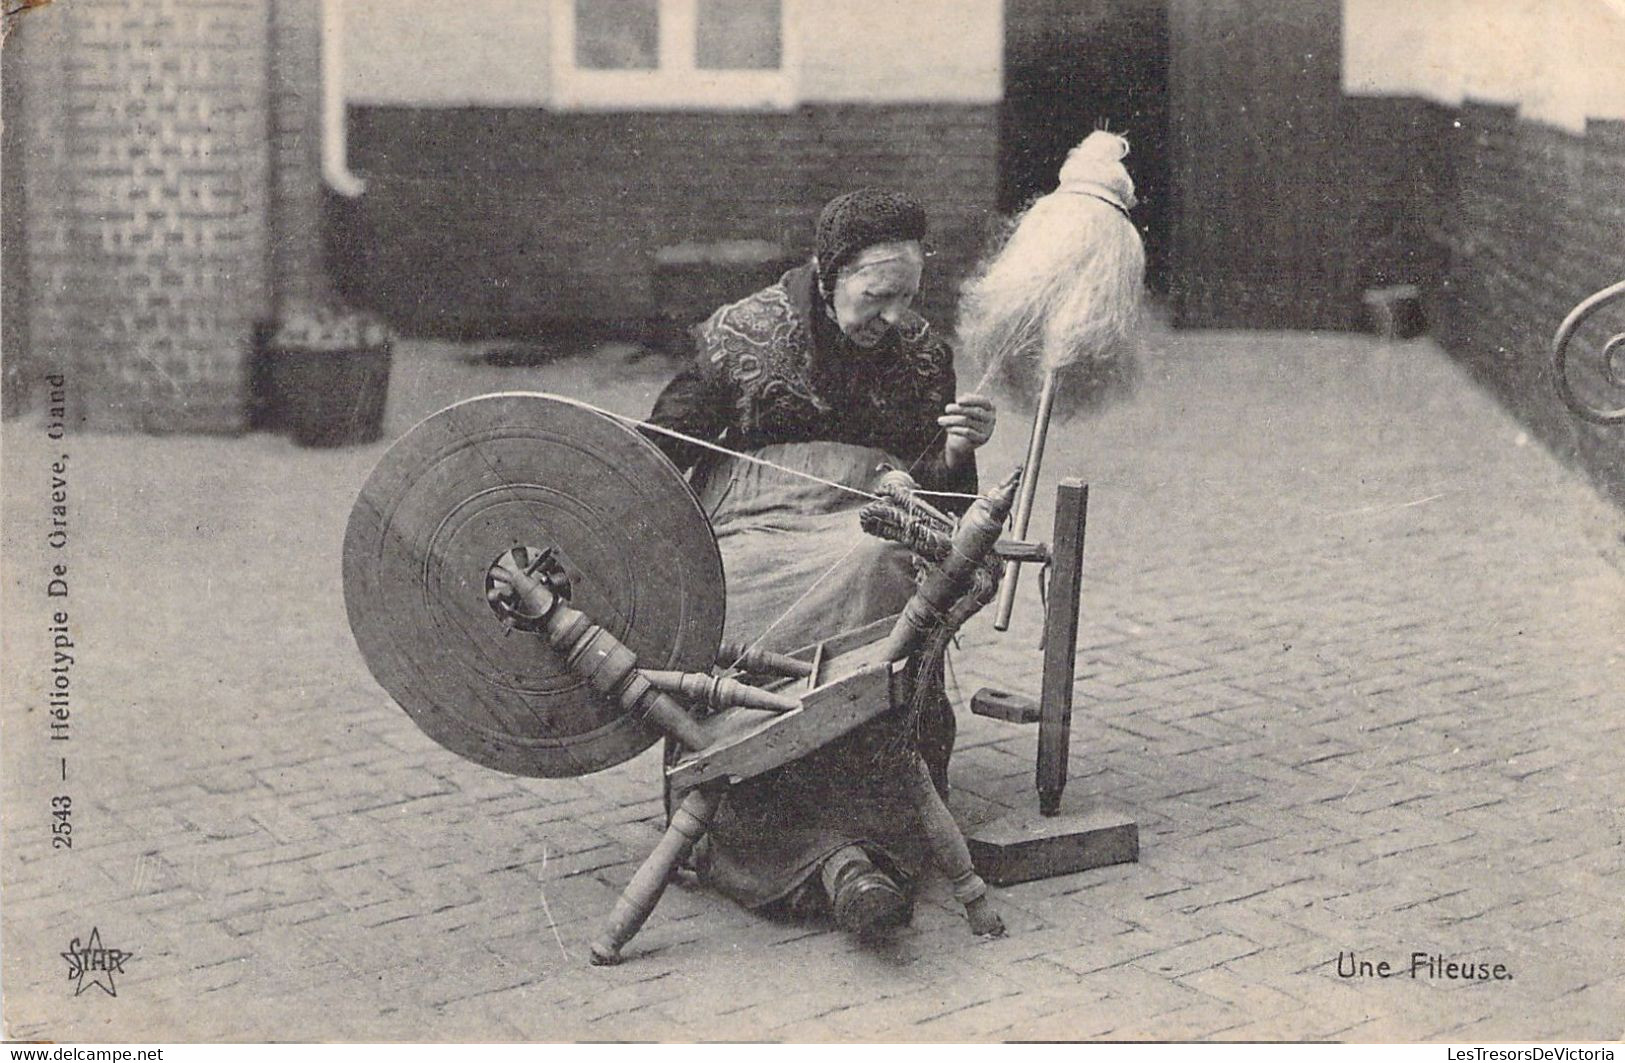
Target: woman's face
875 288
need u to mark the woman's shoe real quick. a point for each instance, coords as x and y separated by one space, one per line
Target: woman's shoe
865 899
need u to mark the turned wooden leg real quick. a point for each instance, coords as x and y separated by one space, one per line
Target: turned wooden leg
641 895
951 854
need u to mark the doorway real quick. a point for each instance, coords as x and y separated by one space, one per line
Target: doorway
1073 66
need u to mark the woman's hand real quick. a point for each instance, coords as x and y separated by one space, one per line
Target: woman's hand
969 422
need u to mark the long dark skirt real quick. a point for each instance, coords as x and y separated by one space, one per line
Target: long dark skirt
799 570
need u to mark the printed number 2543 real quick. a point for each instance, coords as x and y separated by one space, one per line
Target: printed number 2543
62 822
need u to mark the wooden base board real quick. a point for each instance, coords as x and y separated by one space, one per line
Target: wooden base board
1023 846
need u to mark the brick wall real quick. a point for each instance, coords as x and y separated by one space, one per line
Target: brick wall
1533 223
1293 199
146 172
1503 224
1393 227
498 220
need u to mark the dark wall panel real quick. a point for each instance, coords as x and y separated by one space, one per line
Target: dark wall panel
1073 66
497 220
1261 167
1397 199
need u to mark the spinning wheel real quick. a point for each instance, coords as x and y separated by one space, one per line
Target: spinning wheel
513 516
537 587
535 584
546 483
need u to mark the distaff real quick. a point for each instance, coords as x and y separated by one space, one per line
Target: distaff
1058 303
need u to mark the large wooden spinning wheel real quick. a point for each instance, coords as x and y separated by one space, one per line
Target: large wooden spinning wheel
560 488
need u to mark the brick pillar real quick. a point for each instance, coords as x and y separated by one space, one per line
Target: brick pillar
37 205
16 363
298 275
149 186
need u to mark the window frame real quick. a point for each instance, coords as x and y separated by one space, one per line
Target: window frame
676 83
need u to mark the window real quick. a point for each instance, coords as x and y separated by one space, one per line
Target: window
652 54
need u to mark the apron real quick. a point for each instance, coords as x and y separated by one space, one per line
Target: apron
800 568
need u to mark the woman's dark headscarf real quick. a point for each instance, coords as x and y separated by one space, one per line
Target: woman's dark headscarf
851 222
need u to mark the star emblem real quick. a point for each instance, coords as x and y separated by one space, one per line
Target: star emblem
93 965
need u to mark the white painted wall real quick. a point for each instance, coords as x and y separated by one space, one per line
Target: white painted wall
889 51
442 53
1558 61
446 52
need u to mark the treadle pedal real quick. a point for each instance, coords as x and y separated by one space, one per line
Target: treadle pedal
1004 705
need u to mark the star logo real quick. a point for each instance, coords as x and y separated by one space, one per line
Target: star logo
92 965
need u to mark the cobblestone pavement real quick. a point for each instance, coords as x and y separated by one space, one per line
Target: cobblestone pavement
1350 655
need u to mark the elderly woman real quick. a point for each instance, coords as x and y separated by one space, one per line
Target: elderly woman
823 378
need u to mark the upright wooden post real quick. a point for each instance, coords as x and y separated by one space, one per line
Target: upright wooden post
1061 643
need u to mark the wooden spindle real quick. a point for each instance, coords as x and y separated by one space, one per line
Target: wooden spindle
899 487
754 659
612 669
597 656
978 531
718 692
